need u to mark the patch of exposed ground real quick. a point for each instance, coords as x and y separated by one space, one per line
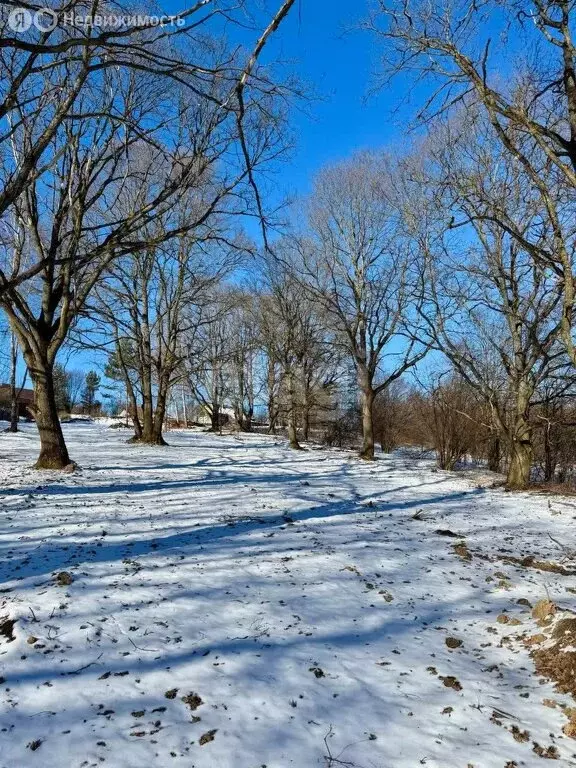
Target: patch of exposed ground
553 650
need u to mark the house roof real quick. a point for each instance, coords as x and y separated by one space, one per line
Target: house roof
24 395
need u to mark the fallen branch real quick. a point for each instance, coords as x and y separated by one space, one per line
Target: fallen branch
81 669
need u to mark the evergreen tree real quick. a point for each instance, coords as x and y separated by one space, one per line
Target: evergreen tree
61 388
91 387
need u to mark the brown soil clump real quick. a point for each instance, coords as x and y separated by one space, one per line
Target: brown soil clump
207 737
193 701
171 694
7 628
558 662
535 640
543 609
64 579
570 727
565 627
451 682
539 565
557 665
462 551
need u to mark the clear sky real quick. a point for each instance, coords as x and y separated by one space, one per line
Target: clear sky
322 42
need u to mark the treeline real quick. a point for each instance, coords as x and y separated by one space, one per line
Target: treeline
450 260
138 143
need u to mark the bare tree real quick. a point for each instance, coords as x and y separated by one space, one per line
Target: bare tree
488 309
390 415
289 329
44 74
207 364
132 150
244 358
92 209
448 415
356 267
458 48
75 386
122 366
148 304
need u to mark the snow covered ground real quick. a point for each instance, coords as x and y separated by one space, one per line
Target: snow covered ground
237 605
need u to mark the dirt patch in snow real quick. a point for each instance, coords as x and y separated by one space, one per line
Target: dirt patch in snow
558 661
207 737
461 549
557 665
7 628
539 565
193 701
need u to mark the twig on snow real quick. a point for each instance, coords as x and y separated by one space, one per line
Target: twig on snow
569 554
331 760
81 669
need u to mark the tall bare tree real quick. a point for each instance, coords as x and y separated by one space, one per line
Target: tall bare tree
131 149
356 267
149 303
209 356
461 50
245 358
488 308
295 340
43 74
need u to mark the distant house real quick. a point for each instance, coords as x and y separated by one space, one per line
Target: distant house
201 415
25 402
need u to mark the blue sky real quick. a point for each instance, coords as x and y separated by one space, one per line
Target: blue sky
321 43
319 39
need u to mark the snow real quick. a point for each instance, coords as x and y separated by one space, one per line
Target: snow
293 592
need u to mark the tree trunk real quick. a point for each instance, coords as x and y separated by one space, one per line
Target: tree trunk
132 408
14 411
306 425
307 410
549 458
521 452
134 412
520 466
215 414
159 416
293 435
53 451
150 432
272 410
494 456
367 452
272 419
247 419
293 416
14 406
184 410
147 417
137 427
